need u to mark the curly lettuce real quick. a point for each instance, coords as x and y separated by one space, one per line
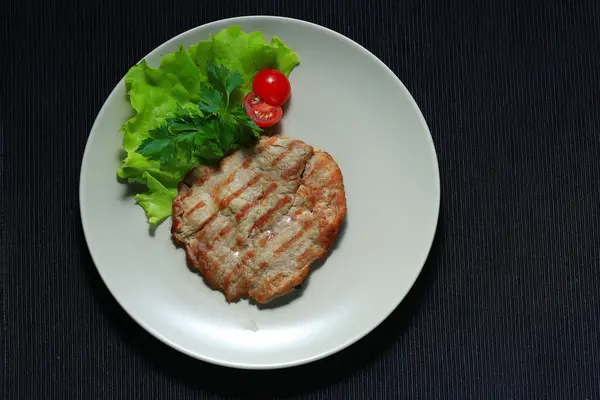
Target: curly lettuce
156 93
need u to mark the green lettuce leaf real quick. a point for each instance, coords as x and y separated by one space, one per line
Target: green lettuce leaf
156 93
247 53
157 201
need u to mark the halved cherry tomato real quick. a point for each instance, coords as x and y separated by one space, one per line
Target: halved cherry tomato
273 86
263 114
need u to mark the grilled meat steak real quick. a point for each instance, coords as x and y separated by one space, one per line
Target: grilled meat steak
255 225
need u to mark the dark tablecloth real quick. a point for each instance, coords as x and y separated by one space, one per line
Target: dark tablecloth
508 304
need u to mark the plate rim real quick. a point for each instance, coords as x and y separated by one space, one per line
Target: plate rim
363 332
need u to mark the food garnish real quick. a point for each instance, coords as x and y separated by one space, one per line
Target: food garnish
272 86
208 133
190 111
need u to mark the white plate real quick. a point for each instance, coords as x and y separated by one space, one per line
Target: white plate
345 101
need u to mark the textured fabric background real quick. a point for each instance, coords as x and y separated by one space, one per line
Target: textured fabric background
508 304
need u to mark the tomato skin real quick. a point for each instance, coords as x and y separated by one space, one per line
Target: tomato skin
273 86
263 114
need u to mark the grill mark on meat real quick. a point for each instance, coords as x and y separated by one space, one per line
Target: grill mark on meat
270 189
246 163
308 253
189 176
227 277
235 194
290 173
196 206
178 222
335 179
200 181
304 227
270 282
262 148
317 193
314 168
280 157
202 237
224 231
268 285
247 207
240 241
268 143
236 273
206 224
244 261
230 177
241 279
210 270
277 279
193 255
204 178
285 153
187 193
244 211
267 216
209 221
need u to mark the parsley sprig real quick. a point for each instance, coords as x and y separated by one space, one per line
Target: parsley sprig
208 132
